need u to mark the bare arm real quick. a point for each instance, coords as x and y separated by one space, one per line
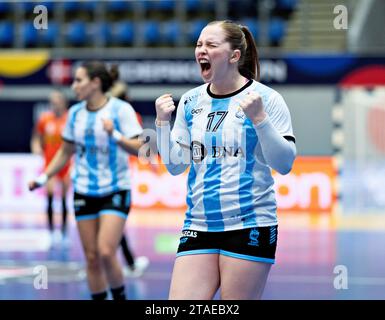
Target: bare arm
131 146
36 142
62 156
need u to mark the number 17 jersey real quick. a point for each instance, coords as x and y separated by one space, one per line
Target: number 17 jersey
229 185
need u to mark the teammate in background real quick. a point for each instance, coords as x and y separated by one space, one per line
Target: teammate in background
46 140
100 130
136 265
230 231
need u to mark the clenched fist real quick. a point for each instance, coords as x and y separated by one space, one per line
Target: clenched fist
164 107
252 106
108 125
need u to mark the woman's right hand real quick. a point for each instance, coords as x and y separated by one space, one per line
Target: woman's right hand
164 107
32 185
38 182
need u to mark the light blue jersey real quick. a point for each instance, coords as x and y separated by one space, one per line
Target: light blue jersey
101 166
230 186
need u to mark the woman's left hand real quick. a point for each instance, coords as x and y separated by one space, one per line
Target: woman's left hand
252 106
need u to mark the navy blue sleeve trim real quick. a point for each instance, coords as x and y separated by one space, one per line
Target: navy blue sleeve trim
67 140
289 138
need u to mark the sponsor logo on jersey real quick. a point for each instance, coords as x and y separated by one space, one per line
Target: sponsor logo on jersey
199 151
196 111
222 152
193 97
240 114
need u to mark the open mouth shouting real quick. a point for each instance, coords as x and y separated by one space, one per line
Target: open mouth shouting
205 67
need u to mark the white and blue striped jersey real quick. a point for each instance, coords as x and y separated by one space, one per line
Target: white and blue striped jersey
230 186
101 165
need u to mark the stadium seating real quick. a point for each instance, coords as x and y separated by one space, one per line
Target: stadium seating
151 32
286 4
118 5
6 33
171 32
49 36
102 33
194 30
128 23
166 5
77 33
29 34
277 30
4 7
124 33
253 26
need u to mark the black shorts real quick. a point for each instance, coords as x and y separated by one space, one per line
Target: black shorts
255 244
117 203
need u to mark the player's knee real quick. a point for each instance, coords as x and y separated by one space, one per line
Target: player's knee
93 259
107 253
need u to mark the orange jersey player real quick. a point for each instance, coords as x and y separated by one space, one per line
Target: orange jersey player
46 140
49 129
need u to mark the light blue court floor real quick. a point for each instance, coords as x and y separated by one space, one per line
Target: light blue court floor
317 258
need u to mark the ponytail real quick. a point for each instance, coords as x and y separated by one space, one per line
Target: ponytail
249 67
240 38
114 72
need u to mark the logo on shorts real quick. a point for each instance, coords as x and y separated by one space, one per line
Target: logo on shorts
273 235
183 240
253 237
79 203
117 200
189 233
